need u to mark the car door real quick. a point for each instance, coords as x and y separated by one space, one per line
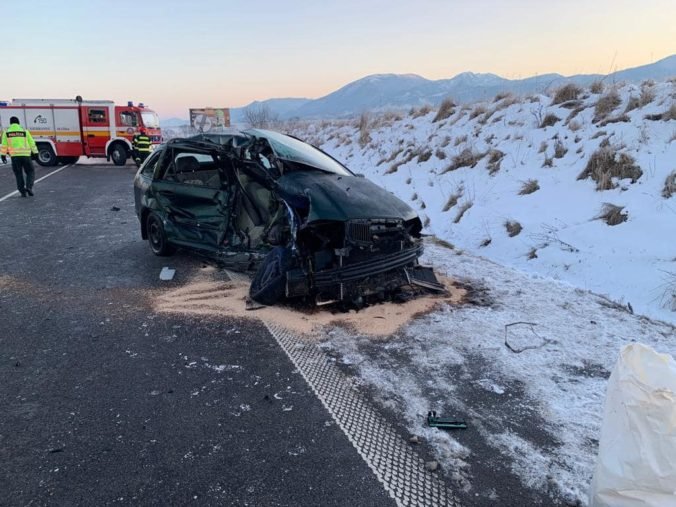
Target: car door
194 196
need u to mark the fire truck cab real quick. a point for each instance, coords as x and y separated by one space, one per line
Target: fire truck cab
65 130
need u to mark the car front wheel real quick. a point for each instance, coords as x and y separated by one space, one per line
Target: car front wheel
157 237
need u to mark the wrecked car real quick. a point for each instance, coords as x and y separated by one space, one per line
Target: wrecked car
265 202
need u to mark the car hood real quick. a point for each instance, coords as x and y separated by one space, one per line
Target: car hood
335 197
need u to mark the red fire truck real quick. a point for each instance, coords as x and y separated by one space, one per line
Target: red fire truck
67 129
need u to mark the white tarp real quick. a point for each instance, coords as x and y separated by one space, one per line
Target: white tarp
636 465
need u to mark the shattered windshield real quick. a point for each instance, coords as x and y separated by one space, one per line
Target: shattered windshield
293 150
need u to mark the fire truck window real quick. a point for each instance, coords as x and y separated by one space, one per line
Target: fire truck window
97 116
128 119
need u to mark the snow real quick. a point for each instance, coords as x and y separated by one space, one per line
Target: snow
633 262
567 354
529 371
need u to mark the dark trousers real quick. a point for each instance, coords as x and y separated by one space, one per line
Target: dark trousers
140 156
22 165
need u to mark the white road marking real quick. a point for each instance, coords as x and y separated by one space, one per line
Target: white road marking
398 467
16 192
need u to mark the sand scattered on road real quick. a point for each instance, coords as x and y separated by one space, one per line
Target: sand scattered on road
228 298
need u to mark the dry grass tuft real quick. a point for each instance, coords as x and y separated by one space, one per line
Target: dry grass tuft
409 155
494 161
598 134
440 154
529 186
606 104
612 214
632 103
513 228
549 120
445 110
549 162
559 149
597 87
574 125
478 110
670 114
532 254
460 139
543 147
453 199
669 185
567 92
424 155
421 111
466 158
363 127
605 164
484 243
461 211
501 96
647 95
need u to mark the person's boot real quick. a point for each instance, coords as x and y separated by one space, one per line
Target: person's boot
23 193
29 191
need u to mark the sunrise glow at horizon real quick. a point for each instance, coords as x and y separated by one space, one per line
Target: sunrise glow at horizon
174 55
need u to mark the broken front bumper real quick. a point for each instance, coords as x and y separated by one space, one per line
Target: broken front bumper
374 276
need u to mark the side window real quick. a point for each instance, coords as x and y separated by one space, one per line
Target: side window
97 116
151 164
128 119
196 169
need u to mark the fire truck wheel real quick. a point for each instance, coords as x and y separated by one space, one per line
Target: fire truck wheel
46 156
119 154
157 238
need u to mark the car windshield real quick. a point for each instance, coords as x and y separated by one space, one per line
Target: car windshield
150 119
293 150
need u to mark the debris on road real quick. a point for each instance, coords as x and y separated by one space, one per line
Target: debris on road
167 273
446 423
114 208
525 340
431 465
414 439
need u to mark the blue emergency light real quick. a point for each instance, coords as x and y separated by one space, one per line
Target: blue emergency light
130 103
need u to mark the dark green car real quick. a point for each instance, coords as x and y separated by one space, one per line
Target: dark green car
266 202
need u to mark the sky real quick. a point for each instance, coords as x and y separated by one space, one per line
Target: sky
173 55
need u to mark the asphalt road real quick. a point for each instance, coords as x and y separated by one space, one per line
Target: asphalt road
104 402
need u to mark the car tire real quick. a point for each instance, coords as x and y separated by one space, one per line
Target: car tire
269 283
119 154
46 155
157 237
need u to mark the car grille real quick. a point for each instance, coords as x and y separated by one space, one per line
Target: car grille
363 231
359 231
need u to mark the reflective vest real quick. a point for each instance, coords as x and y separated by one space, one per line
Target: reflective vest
17 142
141 143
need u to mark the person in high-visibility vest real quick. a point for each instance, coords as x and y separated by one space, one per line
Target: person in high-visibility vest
141 145
17 142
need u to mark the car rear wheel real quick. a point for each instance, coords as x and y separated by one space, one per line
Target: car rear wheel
157 237
269 283
119 154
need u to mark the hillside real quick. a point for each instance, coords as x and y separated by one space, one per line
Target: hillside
579 187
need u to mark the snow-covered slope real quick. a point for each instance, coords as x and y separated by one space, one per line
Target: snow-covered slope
491 179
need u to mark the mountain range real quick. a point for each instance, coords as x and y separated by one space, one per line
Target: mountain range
401 91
